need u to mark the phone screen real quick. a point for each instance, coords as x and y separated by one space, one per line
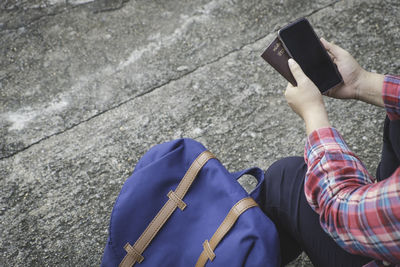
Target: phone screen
304 46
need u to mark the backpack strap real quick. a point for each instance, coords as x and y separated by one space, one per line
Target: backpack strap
134 253
223 229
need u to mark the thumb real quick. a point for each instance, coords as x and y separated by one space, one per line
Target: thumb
335 50
296 70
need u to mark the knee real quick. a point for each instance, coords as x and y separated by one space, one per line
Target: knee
280 181
278 169
283 181
394 134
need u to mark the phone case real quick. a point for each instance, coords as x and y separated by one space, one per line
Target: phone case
277 56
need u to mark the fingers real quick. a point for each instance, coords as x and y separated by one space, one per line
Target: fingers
296 70
288 88
328 93
335 50
328 46
334 59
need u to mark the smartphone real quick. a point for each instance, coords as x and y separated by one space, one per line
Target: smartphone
304 46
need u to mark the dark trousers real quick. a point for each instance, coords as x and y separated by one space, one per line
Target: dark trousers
297 224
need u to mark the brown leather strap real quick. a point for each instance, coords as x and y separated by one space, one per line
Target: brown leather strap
179 202
134 253
223 229
208 250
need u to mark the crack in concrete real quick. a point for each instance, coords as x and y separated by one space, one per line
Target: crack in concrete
156 87
62 9
35 19
321 8
110 9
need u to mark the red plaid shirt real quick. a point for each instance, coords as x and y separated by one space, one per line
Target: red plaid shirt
360 214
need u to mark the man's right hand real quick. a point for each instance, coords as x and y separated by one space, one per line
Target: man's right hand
358 83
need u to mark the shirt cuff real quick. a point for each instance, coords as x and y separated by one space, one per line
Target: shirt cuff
391 96
322 139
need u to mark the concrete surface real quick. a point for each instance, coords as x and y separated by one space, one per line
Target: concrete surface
86 87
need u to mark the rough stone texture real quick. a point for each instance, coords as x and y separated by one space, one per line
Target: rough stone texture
86 87
72 66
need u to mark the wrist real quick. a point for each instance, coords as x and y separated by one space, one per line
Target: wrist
361 84
369 88
315 119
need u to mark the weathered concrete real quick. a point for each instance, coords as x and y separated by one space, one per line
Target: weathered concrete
86 89
74 65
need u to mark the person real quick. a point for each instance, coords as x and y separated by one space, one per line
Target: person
327 204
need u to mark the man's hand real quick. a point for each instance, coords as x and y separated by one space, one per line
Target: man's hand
351 72
358 83
306 100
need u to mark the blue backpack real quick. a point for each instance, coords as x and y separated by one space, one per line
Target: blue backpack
181 207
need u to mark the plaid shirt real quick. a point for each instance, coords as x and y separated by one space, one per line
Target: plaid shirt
360 214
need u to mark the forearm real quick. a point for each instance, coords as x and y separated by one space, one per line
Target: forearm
369 88
360 215
316 118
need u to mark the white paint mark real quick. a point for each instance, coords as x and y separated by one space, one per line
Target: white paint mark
168 40
22 117
79 2
197 131
182 68
19 120
56 2
158 42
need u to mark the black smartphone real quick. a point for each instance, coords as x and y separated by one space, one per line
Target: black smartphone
304 46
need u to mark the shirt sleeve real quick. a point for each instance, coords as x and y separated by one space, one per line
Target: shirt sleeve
362 216
391 96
